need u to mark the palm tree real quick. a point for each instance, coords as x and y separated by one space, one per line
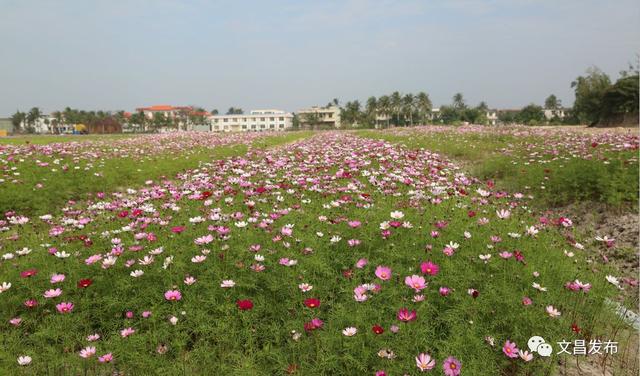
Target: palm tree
57 117
372 109
384 106
408 102
396 105
424 105
458 101
33 116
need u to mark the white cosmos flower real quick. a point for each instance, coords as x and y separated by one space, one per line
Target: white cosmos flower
350 331
397 214
227 283
5 286
136 273
24 360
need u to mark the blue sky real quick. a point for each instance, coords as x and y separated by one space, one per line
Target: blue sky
291 54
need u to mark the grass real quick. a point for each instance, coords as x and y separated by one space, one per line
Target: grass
41 190
610 178
47 139
306 186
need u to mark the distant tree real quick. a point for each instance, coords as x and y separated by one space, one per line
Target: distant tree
408 107
531 115
619 101
32 117
396 105
17 120
424 106
384 107
214 111
351 113
552 102
482 106
589 91
458 101
57 121
371 109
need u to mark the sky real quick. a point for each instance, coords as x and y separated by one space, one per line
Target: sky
291 54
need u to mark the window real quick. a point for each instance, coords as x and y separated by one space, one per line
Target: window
262 126
244 126
272 119
225 120
281 125
253 126
262 119
272 126
281 119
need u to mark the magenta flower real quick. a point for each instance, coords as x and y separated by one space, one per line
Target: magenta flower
361 263
173 295
383 272
451 366
510 350
405 315
64 307
429 268
416 282
444 291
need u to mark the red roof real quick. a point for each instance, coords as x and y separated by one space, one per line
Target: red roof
164 107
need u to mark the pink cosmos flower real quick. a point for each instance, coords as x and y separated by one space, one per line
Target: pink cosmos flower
204 239
444 291
127 332
525 355
15 321
87 352
362 263
383 272
57 278
424 362
405 315
64 307
429 268
354 224
416 282
146 314
452 366
526 301
93 337
52 293
510 350
505 255
173 295
106 358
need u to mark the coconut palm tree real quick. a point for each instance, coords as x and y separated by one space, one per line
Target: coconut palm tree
384 106
424 105
396 105
458 101
32 117
372 109
408 106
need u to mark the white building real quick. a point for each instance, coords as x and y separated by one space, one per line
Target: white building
550 113
255 121
492 117
325 116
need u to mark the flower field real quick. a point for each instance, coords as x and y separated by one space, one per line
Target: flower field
331 253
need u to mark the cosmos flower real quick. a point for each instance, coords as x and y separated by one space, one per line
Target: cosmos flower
452 366
416 282
429 268
227 284
88 352
244 305
510 350
405 315
350 331
312 303
424 362
383 272
64 307
24 360
173 295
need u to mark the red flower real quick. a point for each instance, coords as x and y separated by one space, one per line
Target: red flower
575 328
205 195
84 283
123 214
244 305
312 303
377 329
28 273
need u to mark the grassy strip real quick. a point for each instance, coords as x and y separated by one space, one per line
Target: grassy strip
42 190
558 183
